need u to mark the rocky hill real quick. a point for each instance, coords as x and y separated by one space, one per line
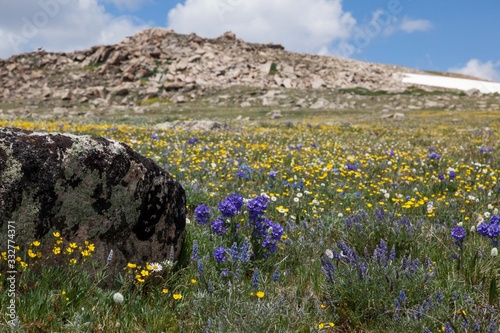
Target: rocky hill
160 64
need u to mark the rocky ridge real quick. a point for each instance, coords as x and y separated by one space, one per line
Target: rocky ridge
161 65
161 62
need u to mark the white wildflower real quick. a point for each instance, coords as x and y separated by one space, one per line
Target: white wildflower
118 298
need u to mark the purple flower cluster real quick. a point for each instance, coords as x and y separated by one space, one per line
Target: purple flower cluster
256 207
202 214
492 229
218 226
485 150
380 253
192 141
220 254
351 166
433 155
273 235
236 200
227 208
264 232
245 251
328 268
458 233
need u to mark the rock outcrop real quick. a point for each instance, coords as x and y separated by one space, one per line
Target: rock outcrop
89 189
159 68
161 63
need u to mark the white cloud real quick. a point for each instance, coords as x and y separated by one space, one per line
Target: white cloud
127 4
488 70
412 25
60 25
313 26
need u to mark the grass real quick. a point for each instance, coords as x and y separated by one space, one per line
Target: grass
354 233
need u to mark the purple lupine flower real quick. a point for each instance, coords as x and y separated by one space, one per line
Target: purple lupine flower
234 251
272 174
381 253
194 253
227 208
434 156
485 150
452 174
257 206
200 268
351 166
274 231
276 274
202 214
495 219
458 233
328 269
483 229
402 296
441 176
493 230
244 251
255 278
192 141
347 254
439 297
362 270
237 200
447 328
491 329
380 213
220 254
218 226
392 254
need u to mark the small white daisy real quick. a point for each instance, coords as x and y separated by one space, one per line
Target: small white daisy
156 267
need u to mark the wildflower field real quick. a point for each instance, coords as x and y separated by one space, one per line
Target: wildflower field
295 227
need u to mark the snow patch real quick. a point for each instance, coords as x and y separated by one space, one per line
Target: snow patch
485 87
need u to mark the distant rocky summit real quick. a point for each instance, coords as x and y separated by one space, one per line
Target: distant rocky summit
89 189
158 69
159 62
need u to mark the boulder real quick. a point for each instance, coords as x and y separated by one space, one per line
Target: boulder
89 189
192 125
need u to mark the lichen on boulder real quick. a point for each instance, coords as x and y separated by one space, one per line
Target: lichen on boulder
89 189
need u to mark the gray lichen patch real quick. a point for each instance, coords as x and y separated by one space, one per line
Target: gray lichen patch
12 169
25 217
92 199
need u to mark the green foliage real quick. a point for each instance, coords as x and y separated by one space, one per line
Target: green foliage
273 69
363 91
95 64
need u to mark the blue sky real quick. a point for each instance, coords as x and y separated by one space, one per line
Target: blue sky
459 36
